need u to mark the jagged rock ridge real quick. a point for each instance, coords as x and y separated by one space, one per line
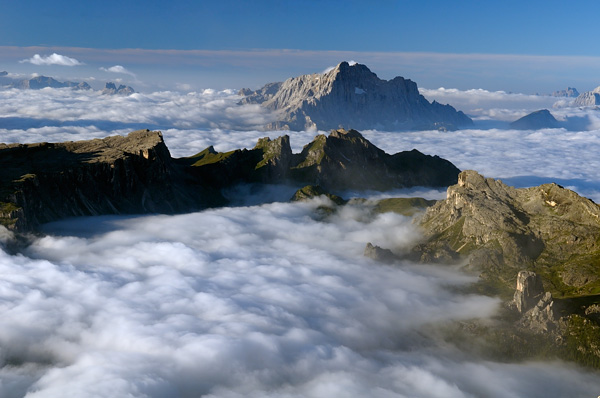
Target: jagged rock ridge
40 82
352 96
111 89
589 98
342 160
536 120
136 174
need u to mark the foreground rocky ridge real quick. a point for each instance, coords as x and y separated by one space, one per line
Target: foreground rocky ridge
547 229
136 174
352 96
537 248
544 240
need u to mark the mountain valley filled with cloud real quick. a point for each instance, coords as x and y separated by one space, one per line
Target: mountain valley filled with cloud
263 299
195 258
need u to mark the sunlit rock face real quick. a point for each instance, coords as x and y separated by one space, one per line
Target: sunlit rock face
529 290
503 230
351 96
589 98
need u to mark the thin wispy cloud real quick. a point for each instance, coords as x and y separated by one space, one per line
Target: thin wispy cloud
53 59
260 301
118 69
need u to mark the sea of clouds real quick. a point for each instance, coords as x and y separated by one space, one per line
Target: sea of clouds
259 300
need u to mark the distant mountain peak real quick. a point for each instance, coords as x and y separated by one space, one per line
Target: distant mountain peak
536 120
111 88
351 96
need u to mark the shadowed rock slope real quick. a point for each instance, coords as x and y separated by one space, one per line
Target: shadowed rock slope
352 96
343 160
536 120
116 175
135 174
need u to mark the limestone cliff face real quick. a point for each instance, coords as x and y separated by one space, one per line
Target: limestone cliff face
589 98
116 175
351 96
548 229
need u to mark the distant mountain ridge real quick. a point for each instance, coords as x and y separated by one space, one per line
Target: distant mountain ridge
39 82
351 96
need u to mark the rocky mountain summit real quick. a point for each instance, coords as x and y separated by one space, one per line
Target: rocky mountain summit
136 174
352 96
111 89
589 98
536 120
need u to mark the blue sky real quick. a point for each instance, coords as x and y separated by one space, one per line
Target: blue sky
523 46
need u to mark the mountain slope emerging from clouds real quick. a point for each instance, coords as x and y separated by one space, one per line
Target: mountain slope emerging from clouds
136 174
351 96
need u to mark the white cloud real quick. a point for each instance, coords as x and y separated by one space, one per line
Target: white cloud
247 301
118 69
53 59
209 109
258 301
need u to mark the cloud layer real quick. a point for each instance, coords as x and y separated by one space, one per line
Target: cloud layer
248 301
53 59
261 301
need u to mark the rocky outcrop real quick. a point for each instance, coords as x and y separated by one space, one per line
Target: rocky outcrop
589 98
379 254
529 290
313 191
40 82
352 96
541 119
116 175
111 89
570 92
501 230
